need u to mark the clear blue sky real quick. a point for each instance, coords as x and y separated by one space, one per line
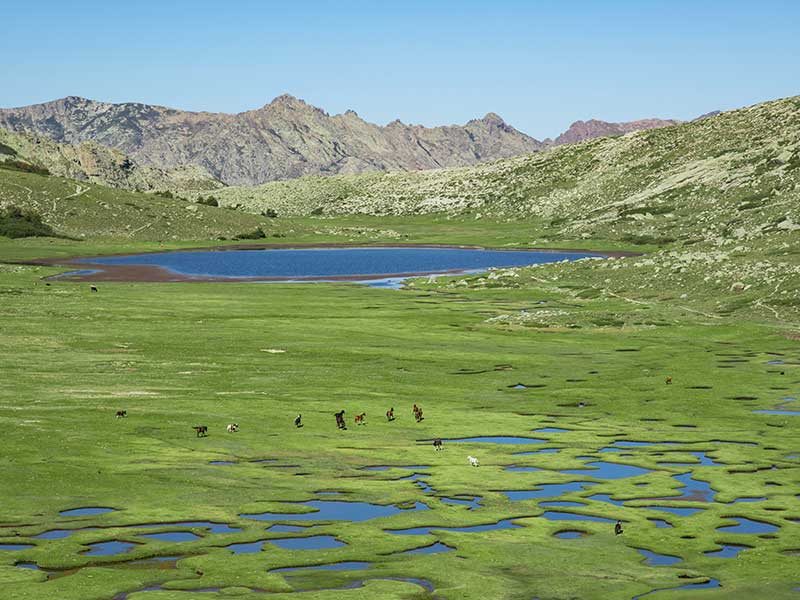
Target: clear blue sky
539 64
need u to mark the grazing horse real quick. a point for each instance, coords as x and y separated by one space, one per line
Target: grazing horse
437 444
473 461
390 414
93 288
618 528
668 380
418 413
233 428
121 414
340 419
201 430
298 421
360 418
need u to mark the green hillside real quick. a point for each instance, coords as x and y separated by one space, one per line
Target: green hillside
85 210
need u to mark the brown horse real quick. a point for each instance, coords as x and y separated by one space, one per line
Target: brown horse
201 430
121 414
390 414
360 419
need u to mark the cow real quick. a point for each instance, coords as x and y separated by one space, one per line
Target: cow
360 419
473 461
201 430
121 414
232 428
437 444
390 414
298 421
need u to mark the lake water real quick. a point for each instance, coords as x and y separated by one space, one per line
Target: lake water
325 263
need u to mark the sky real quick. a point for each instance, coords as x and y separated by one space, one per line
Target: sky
539 64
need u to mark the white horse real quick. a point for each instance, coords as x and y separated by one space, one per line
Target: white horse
473 461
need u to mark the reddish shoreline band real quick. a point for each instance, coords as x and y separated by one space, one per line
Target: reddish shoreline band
157 274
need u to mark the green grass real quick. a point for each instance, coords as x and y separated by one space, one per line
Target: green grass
177 355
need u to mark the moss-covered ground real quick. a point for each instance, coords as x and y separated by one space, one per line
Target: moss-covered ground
594 362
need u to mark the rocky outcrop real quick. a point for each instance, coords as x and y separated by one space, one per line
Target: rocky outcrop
285 139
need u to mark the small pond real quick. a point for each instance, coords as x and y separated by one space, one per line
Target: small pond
728 551
658 560
341 566
322 264
330 510
86 511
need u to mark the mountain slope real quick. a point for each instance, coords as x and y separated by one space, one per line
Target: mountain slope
581 131
93 163
732 176
287 138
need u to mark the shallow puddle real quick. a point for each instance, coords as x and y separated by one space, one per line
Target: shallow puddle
606 498
499 439
432 549
661 523
550 430
286 528
787 413
562 503
571 534
711 583
314 542
222 462
728 551
172 536
702 459
15 547
547 490
749 499
341 566
246 548
109 548
59 534
568 516
747 526
505 524
693 490
213 527
608 470
86 511
332 510
658 560
675 510
542 451
471 502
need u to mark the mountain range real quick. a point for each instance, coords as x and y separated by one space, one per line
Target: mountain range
284 139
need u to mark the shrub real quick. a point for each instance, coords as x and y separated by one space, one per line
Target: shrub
16 222
210 201
253 235
270 213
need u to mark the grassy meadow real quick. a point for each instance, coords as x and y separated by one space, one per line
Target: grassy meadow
594 364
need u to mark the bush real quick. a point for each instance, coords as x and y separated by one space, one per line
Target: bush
8 151
210 201
165 194
270 213
253 235
16 222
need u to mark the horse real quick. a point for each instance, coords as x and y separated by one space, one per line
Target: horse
359 419
618 528
340 419
437 444
201 430
390 414
121 414
668 380
297 421
418 414
93 288
473 461
233 428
